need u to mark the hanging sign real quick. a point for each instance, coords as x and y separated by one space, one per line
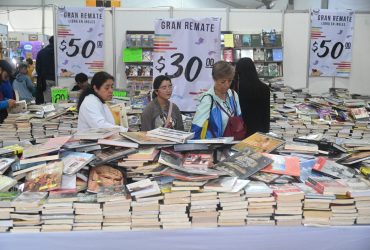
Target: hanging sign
331 42
80 35
185 50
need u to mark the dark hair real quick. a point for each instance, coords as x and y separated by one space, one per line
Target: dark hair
222 69
246 77
22 65
51 40
98 80
29 61
4 65
157 83
81 77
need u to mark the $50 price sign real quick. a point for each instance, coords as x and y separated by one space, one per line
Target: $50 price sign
331 43
80 40
185 50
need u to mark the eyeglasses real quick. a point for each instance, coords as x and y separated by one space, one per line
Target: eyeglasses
170 87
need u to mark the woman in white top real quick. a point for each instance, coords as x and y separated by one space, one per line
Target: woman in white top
93 112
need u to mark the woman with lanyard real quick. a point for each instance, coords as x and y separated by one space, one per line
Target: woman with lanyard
160 112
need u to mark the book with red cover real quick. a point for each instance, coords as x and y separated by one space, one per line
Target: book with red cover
333 169
288 165
228 55
325 186
186 176
287 192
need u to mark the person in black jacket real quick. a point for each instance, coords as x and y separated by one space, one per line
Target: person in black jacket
45 69
254 97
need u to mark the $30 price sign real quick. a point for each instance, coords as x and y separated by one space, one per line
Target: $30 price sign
80 40
185 50
331 43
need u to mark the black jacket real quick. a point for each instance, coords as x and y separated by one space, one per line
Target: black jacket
254 97
45 66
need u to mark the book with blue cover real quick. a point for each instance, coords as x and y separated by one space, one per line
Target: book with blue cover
277 55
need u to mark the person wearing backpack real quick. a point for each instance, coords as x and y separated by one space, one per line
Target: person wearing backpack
23 84
218 113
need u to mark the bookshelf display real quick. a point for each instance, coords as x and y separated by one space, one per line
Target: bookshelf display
264 49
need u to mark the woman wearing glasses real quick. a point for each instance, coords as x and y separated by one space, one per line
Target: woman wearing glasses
160 112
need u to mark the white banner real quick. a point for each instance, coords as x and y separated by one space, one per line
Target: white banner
331 42
80 36
185 50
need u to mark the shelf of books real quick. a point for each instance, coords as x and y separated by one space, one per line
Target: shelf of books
265 49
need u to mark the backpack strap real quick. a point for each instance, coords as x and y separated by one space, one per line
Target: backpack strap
210 110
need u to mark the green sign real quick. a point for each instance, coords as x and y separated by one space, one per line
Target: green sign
132 55
58 94
119 93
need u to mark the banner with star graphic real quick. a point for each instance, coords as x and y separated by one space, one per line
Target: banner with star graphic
80 36
331 42
185 50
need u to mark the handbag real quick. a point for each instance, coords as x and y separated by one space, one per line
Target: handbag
235 126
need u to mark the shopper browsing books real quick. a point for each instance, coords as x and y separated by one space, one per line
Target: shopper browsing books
217 105
160 112
5 102
23 85
254 97
93 112
81 82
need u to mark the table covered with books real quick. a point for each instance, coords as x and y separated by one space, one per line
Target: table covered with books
297 182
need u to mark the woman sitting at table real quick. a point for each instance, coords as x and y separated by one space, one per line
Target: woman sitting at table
93 112
160 112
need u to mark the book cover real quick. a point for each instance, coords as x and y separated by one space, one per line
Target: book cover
243 164
246 53
175 160
255 40
287 190
222 184
6 183
359 113
118 141
147 56
171 134
277 55
273 69
180 175
95 133
104 176
356 157
112 154
5 164
259 142
132 70
287 165
268 55
229 40
359 187
228 55
29 199
143 139
74 161
247 40
119 114
238 40
336 187
144 154
46 178
198 160
333 169
259 54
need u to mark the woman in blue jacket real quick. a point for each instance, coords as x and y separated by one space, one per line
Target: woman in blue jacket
217 104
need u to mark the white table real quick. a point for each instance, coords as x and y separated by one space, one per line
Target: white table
276 238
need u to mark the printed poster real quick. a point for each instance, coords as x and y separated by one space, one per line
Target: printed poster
185 50
331 42
80 36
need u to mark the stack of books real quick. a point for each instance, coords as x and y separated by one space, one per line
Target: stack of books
57 216
233 209
5 209
88 216
203 209
288 204
261 204
26 216
177 205
360 192
116 208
